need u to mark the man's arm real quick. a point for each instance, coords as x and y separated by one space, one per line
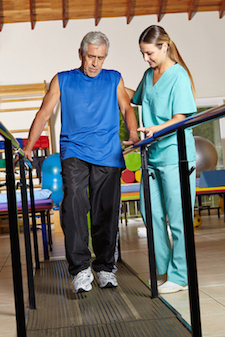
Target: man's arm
130 93
128 114
42 116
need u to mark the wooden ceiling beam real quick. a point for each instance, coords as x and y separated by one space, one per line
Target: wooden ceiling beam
64 12
191 9
1 16
159 13
222 8
128 11
96 12
64 9
32 13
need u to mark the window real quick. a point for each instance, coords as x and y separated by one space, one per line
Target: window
212 132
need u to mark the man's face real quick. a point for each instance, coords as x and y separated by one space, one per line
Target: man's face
93 59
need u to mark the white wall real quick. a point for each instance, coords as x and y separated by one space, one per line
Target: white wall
32 56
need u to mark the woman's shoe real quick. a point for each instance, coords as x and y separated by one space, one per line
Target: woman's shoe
160 279
170 287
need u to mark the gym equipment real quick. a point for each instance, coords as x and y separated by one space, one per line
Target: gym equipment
206 155
127 176
212 178
197 221
52 178
133 161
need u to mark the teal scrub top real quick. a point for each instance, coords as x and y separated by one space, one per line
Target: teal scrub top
170 95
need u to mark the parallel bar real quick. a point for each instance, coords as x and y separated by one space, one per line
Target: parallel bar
26 228
200 118
7 135
49 229
14 240
34 225
15 144
189 236
44 235
179 127
148 213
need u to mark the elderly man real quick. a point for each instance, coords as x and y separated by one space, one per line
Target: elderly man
91 157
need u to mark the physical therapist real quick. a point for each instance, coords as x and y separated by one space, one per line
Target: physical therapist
166 93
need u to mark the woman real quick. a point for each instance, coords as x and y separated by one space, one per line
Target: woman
166 93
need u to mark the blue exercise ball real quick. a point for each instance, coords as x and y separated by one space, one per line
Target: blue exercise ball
52 177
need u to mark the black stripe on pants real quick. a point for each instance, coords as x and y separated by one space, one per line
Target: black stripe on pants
104 203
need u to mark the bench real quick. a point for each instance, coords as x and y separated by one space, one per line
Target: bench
43 208
129 192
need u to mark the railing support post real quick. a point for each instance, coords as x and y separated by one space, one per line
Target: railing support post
148 214
14 240
26 228
34 224
189 235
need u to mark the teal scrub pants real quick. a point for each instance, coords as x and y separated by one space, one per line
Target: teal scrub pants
166 205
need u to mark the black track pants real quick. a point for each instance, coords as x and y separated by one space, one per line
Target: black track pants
103 202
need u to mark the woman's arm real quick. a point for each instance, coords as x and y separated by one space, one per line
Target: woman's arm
149 131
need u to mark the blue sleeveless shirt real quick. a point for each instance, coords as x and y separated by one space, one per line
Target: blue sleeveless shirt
90 117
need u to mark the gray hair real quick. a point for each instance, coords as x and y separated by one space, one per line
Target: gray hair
97 38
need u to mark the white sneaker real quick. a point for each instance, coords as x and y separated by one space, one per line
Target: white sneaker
82 281
106 279
160 280
170 287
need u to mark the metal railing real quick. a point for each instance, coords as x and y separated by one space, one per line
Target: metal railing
184 172
12 144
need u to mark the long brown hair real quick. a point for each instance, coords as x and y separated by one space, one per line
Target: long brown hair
157 35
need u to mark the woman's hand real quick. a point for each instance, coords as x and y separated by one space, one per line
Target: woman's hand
149 131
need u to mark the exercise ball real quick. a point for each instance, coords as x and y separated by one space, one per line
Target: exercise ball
138 176
206 155
52 178
127 176
133 161
197 221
